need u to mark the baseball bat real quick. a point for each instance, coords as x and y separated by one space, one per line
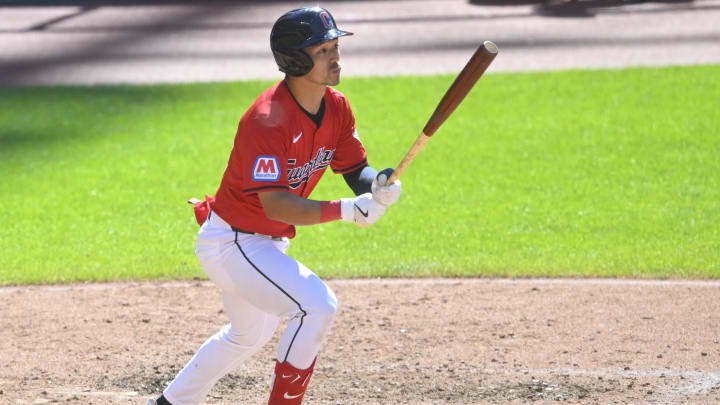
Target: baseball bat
476 66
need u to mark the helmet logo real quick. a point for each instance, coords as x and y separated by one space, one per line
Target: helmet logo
326 19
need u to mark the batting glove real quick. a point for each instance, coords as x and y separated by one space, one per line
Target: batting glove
385 195
362 210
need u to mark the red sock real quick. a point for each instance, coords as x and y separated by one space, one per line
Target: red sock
289 384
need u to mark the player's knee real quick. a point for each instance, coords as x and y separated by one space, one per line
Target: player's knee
326 310
330 303
331 307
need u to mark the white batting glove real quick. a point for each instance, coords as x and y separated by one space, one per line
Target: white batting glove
362 210
386 195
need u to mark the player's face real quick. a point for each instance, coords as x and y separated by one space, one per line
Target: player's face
326 59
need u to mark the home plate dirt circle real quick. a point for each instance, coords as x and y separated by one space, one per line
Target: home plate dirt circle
438 341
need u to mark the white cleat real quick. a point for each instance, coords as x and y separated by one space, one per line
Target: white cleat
151 401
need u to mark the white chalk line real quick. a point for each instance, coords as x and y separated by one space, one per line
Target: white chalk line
698 382
65 391
380 281
69 392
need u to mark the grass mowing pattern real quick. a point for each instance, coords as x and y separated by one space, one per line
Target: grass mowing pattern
576 173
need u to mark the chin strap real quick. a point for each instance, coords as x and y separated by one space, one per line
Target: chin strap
289 384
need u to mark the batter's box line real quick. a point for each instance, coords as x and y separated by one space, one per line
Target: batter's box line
84 392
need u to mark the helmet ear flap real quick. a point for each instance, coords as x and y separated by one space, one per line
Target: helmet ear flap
286 37
294 62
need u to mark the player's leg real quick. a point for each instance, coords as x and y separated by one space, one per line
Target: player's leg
249 329
287 288
257 270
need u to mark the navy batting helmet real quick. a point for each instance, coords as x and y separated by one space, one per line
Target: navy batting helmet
298 29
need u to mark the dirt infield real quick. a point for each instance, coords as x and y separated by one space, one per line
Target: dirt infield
394 342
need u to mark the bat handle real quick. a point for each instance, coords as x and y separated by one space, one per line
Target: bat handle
409 156
393 177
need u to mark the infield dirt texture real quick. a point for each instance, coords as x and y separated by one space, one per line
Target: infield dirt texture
394 341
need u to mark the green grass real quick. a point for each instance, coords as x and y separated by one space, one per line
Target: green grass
579 173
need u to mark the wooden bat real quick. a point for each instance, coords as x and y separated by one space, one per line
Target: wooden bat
476 66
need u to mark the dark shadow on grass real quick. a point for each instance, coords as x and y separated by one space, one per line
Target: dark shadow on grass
52 115
16 138
21 149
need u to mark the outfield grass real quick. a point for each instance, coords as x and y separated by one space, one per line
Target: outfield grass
577 173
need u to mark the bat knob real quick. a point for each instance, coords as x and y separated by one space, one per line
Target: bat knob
490 47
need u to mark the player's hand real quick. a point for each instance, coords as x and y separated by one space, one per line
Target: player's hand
363 210
386 195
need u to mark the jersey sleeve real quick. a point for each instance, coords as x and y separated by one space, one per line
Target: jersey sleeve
263 157
350 154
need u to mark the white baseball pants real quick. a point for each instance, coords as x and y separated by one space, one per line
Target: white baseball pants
259 284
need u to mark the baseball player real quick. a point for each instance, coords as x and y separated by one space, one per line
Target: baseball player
284 143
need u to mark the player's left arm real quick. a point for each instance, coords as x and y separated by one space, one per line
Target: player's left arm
360 180
350 160
368 180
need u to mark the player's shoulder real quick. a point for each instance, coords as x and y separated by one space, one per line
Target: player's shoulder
336 97
272 108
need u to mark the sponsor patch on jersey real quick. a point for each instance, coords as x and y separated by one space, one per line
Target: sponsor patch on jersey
266 169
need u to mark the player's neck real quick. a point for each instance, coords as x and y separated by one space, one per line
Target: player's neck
308 94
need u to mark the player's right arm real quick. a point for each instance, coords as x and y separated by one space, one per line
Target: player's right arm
262 149
292 209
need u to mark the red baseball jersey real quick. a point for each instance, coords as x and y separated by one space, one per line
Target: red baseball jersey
278 147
